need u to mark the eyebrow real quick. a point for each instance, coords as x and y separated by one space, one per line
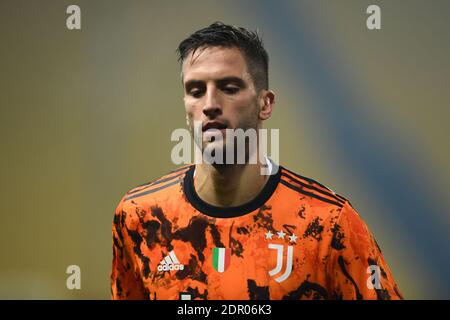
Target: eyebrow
222 81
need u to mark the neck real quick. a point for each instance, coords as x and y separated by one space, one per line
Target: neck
229 185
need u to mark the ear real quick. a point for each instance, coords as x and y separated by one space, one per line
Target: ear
266 103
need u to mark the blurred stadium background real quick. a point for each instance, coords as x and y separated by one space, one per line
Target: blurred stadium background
86 115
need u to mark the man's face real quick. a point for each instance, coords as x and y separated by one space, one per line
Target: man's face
219 92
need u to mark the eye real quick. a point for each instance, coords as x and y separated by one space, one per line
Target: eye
230 90
196 93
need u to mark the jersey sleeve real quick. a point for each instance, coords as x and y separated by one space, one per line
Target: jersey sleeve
356 268
125 282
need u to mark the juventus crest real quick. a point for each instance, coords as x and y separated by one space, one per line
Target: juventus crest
287 265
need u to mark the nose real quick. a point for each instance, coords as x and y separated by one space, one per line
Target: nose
212 107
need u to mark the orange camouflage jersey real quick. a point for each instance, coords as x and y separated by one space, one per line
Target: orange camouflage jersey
296 240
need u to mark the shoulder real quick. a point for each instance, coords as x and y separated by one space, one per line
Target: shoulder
311 189
165 185
326 206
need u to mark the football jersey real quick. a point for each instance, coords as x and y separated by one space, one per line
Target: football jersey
296 240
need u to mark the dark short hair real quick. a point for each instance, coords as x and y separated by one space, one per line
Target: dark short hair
219 34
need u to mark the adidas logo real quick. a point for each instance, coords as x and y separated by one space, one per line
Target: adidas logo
170 262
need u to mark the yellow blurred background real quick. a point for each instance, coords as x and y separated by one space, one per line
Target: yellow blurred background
87 114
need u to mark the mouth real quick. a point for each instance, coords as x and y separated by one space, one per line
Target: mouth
213 125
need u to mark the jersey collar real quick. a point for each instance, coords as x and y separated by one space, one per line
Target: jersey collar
228 212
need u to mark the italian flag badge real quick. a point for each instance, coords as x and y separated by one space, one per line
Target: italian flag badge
221 258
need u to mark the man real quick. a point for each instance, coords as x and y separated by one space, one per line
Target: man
226 231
